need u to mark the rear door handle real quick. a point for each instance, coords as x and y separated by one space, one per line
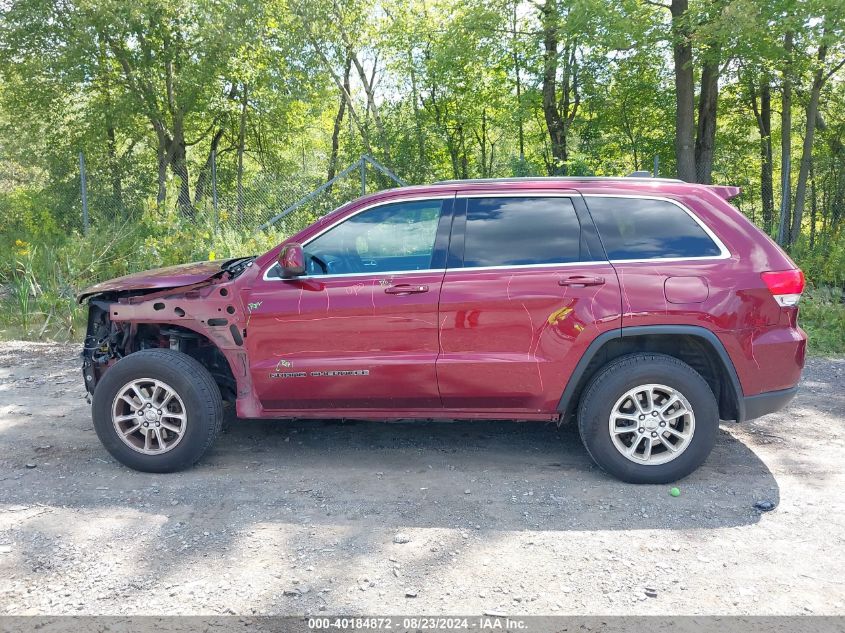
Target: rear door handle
405 289
579 281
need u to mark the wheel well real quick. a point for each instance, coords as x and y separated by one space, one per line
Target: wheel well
195 345
696 351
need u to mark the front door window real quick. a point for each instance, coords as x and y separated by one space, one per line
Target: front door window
390 238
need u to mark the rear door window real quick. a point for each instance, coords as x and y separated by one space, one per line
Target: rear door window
643 228
521 231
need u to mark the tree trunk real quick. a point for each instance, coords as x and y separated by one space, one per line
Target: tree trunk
368 85
706 132
114 168
463 149
763 117
179 166
482 144
837 203
786 145
338 122
453 156
833 187
813 207
417 121
554 124
630 135
202 178
353 114
241 143
111 135
441 120
684 92
161 154
519 122
766 162
807 150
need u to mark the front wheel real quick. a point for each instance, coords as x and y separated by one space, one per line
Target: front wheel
157 410
648 418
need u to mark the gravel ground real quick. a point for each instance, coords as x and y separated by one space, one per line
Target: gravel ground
372 518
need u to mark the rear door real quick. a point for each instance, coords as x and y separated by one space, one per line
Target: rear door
527 287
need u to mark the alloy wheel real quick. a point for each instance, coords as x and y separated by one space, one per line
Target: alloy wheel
652 424
149 416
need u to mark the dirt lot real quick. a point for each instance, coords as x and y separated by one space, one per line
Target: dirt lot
310 517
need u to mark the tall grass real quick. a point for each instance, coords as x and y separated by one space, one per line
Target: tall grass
39 281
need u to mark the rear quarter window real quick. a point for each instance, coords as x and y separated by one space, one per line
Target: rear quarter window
642 228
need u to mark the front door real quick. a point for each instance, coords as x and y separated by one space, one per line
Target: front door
526 290
359 330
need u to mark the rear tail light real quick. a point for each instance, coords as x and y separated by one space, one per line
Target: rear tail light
786 286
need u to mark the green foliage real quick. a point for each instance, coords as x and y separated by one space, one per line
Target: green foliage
27 212
824 263
822 315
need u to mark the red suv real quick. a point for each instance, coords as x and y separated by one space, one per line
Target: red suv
645 309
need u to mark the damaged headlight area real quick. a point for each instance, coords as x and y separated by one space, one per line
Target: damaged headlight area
105 342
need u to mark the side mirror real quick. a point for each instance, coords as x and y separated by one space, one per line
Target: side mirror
292 260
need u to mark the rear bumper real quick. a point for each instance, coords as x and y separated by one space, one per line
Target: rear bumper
768 402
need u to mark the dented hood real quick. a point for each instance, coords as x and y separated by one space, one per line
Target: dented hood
157 279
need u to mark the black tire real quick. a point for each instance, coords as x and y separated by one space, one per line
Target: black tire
628 372
194 385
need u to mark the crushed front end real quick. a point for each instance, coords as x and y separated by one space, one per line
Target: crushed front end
105 343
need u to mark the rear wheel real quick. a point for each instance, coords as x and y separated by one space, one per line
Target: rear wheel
157 410
648 418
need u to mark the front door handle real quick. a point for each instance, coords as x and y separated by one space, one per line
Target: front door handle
405 289
579 281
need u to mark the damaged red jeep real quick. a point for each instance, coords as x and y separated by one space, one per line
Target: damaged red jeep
645 309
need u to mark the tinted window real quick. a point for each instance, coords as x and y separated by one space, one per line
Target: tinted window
514 231
392 237
636 228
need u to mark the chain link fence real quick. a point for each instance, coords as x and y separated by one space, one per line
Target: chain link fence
222 199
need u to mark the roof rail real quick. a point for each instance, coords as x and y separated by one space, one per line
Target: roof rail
634 176
640 174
